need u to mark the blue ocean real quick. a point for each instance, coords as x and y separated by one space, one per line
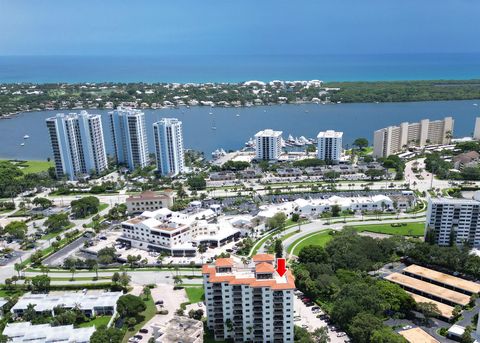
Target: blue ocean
237 68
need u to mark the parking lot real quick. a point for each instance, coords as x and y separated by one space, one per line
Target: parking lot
109 239
310 317
171 301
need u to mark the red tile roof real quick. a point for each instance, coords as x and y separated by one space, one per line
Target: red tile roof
264 267
263 258
224 262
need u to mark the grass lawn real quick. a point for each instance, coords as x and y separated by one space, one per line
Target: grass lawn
148 314
194 294
32 167
411 229
97 322
8 293
318 238
102 206
55 234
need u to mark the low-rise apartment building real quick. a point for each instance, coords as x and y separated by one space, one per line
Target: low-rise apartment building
45 333
222 175
90 303
249 303
149 201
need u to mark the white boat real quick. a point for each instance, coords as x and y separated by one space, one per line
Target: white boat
250 143
475 104
26 137
238 114
22 144
218 153
210 113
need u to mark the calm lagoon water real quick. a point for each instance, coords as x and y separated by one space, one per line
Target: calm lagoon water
355 120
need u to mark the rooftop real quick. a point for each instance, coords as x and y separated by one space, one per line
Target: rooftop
454 201
85 301
149 195
43 333
181 329
330 134
446 279
429 288
445 310
268 133
224 262
264 267
263 258
417 335
246 276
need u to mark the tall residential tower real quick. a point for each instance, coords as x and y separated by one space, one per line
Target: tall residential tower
329 145
129 137
77 143
268 145
168 138
453 221
249 303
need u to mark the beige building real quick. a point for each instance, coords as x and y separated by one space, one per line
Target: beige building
149 201
393 139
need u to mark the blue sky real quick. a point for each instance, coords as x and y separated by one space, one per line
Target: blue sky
238 27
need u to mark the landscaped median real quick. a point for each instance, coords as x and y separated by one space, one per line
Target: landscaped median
413 229
319 238
271 233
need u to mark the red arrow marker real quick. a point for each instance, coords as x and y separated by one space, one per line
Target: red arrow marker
281 266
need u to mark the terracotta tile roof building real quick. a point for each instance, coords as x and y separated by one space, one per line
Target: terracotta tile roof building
249 303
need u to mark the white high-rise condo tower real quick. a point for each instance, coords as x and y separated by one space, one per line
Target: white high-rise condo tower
329 145
169 146
268 145
77 143
453 221
129 137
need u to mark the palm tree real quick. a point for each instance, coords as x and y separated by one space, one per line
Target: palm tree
95 269
177 281
18 268
73 270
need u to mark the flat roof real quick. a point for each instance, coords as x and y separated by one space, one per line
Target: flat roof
445 310
446 279
330 134
268 133
417 335
429 288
